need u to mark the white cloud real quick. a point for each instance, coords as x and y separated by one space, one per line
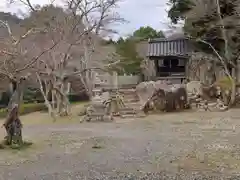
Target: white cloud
137 12
143 13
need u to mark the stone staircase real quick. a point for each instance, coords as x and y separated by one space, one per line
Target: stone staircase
131 102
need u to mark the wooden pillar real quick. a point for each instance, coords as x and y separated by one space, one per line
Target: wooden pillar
156 67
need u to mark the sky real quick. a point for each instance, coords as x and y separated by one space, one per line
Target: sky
137 12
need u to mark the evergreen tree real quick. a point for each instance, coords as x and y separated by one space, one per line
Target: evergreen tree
126 50
129 58
203 22
144 33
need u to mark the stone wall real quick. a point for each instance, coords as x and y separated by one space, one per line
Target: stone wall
128 80
120 81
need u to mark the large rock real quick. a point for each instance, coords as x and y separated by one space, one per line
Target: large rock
144 91
162 95
194 87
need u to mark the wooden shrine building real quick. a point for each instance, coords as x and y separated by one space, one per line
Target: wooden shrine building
170 57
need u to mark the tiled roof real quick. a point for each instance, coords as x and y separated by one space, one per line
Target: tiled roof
168 47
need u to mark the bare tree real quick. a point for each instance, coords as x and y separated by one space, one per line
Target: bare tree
73 35
96 16
17 58
17 61
75 32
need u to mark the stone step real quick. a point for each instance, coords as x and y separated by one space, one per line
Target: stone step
130 110
130 96
127 90
133 104
127 111
136 115
97 104
123 113
130 100
126 108
130 104
98 110
127 116
95 114
134 107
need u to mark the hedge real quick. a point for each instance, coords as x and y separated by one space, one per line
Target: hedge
5 99
32 95
77 98
25 109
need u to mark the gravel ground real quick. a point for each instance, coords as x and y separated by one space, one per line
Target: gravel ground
192 145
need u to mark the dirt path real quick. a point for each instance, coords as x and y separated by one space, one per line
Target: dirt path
206 144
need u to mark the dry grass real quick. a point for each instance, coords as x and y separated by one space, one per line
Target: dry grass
43 117
24 146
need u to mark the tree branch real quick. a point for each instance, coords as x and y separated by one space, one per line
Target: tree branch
6 25
28 3
35 59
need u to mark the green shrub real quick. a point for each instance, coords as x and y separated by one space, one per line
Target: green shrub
32 95
25 109
3 113
224 83
77 98
5 99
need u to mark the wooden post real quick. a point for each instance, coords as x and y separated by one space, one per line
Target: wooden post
156 67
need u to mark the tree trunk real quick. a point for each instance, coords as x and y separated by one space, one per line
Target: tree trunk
88 75
236 74
45 96
48 104
13 125
233 92
17 94
53 99
59 103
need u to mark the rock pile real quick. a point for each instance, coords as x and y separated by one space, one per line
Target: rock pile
162 95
